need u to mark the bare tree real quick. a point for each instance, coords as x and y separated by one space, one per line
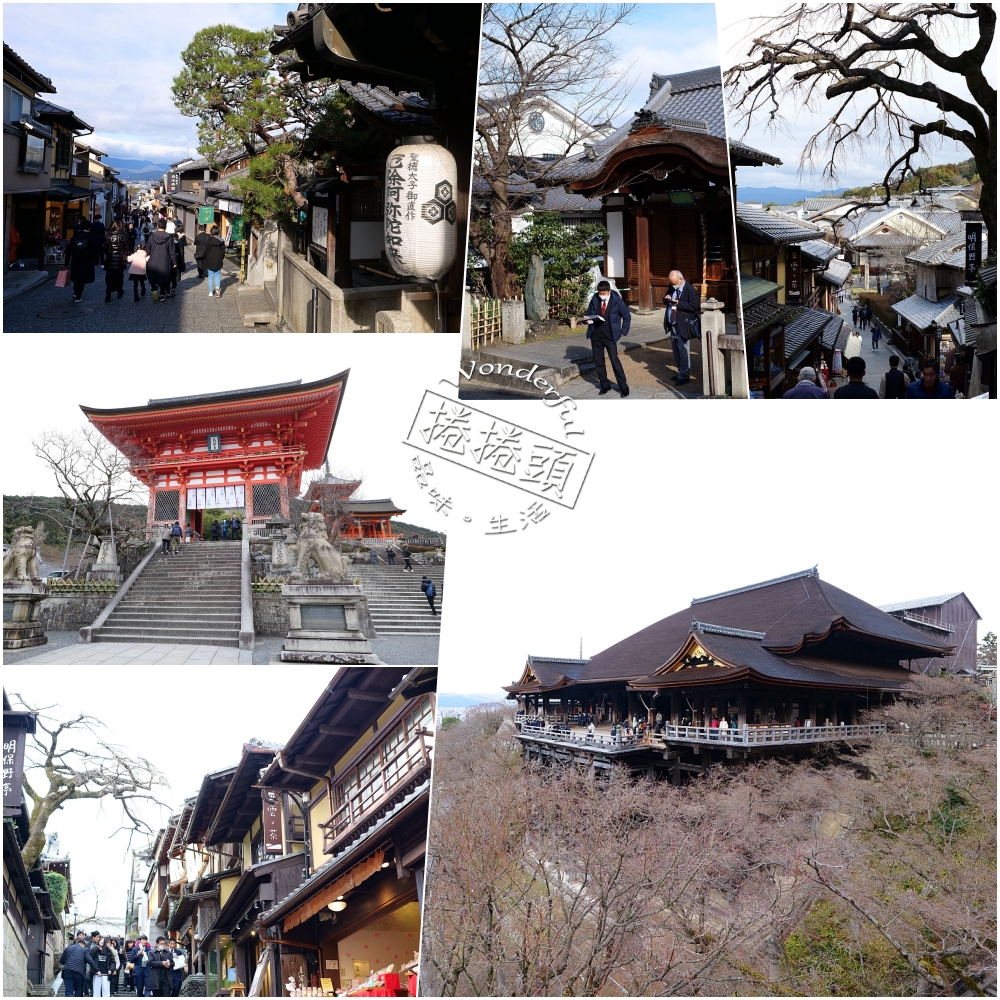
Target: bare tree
884 75
95 483
532 55
860 869
106 771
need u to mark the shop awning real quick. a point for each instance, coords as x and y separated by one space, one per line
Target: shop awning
329 893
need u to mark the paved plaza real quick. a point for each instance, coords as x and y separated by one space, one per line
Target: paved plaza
44 308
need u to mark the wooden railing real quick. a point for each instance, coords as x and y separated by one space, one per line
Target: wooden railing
745 736
410 758
487 322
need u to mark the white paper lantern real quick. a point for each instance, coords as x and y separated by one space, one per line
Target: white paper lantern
421 229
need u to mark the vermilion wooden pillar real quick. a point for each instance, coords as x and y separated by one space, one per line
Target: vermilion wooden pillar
643 292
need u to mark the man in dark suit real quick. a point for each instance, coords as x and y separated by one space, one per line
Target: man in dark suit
610 320
681 322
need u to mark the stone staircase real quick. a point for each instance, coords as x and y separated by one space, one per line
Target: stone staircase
257 304
396 602
191 598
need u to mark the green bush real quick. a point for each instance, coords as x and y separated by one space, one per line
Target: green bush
58 888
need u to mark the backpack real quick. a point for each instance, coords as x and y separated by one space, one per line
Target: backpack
430 591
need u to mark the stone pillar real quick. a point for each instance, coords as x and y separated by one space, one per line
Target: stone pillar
22 601
467 323
535 306
512 319
105 565
713 327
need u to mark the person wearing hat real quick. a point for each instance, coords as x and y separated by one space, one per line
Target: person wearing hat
807 386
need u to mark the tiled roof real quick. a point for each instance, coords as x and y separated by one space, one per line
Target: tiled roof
770 228
819 250
807 326
45 85
687 102
837 273
938 252
787 610
922 314
401 109
920 602
753 289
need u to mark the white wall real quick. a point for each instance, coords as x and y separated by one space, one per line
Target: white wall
616 245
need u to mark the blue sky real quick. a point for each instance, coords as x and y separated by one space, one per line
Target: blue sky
113 64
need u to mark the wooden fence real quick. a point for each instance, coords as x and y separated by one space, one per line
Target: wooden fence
487 322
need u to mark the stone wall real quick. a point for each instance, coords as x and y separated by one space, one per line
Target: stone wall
69 612
15 960
270 614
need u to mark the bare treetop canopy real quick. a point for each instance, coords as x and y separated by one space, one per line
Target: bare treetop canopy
886 76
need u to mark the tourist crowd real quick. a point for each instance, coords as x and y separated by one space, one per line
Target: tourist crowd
143 248
104 966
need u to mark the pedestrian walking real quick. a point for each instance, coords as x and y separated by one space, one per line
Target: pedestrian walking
98 231
855 388
180 964
807 386
159 267
138 963
165 540
407 567
116 978
180 264
81 256
137 271
199 250
427 586
215 256
894 382
75 959
216 533
116 254
225 529
609 322
161 966
854 315
107 961
929 385
876 336
390 556
236 529
176 533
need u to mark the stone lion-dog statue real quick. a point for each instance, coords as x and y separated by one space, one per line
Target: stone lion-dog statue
21 560
314 545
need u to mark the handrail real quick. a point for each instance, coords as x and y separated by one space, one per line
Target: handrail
87 632
246 593
744 736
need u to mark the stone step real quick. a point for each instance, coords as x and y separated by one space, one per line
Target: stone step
207 639
193 633
256 305
230 620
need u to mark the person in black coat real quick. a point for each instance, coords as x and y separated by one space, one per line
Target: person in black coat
682 322
180 242
74 961
215 256
199 250
162 256
161 969
99 232
81 256
609 322
116 253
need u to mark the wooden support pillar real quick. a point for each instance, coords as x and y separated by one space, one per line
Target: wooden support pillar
342 273
643 292
741 699
331 239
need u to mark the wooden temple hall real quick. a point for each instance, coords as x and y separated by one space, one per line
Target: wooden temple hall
771 667
665 182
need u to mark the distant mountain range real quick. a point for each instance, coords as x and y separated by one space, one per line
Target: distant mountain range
780 196
467 700
137 170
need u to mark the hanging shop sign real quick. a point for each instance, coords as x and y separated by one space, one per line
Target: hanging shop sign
237 229
17 727
793 272
206 215
420 211
973 249
272 821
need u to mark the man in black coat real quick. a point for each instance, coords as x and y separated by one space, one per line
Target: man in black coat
609 322
161 969
74 961
81 256
99 232
682 322
162 251
199 250
116 250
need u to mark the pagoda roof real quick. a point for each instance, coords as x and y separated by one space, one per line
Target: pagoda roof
797 614
385 506
307 410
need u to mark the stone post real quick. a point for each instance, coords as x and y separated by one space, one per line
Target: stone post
22 601
512 320
325 624
467 322
713 327
105 566
535 306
